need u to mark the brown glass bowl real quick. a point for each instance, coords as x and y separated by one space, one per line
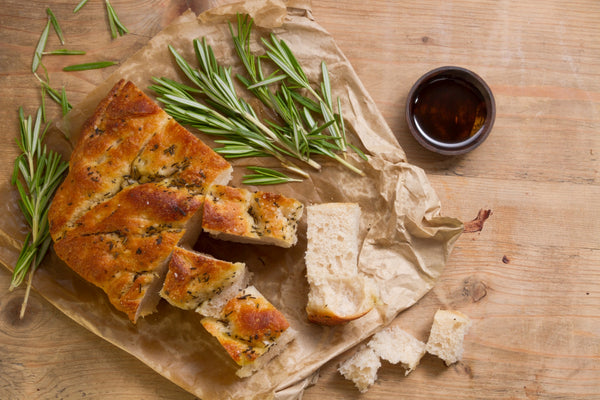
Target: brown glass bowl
450 110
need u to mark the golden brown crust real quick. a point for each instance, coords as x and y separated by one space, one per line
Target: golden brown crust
121 245
261 217
248 326
194 278
328 318
225 210
115 221
180 159
101 160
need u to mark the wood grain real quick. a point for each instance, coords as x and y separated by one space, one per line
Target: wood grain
530 279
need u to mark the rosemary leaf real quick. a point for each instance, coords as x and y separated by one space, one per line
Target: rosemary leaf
37 55
78 6
266 82
64 52
64 103
358 151
56 25
88 66
43 103
266 176
40 172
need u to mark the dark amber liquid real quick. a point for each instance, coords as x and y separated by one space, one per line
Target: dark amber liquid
449 111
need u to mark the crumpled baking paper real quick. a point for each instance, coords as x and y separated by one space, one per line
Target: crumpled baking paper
405 239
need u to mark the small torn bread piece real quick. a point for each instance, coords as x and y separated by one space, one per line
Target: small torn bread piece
194 277
250 329
447 335
240 215
398 346
361 368
338 291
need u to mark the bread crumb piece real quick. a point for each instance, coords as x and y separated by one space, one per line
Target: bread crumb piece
361 368
398 346
447 335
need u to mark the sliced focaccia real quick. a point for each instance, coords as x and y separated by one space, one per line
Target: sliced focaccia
251 217
250 329
194 278
123 244
133 192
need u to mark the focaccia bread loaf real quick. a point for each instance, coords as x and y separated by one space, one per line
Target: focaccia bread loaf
250 329
133 192
338 291
243 216
194 278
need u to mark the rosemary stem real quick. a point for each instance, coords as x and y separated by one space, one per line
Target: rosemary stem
290 165
28 289
348 165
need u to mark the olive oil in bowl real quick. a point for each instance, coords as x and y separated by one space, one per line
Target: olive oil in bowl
450 110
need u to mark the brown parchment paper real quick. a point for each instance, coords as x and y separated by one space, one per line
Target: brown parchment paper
405 239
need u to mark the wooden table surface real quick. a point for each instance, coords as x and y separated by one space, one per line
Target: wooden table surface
530 279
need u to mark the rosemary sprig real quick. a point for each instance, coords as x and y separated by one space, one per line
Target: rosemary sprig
279 52
214 82
301 127
116 26
88 66
37 173
241 140
56 25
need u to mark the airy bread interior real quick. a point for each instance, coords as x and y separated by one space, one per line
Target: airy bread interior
338 291
395 345
361 368
447 335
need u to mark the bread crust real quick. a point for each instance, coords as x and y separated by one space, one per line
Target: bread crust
249 325
194 277
251 217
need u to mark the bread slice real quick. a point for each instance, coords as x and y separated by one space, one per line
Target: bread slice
338 292
250 329
398 346
361 368
447 335
239 215
133 192
194 278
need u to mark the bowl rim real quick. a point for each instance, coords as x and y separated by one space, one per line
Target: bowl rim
465 75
